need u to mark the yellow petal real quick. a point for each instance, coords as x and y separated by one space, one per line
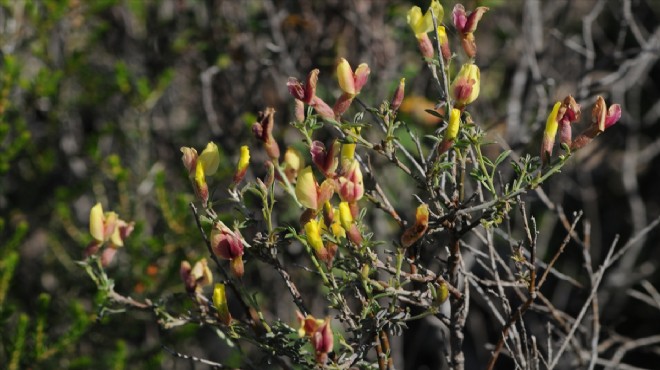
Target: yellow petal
475 74
313 233
345 215
345 77
210 159
438 11
220 303
96 222
244 160
306 188
454 124
551 123
414 18
200 179
116 239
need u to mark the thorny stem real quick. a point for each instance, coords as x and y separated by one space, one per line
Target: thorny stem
457 319
533 290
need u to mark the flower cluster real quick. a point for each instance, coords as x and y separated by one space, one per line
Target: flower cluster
201 166
319 333
228 245
107 227
568 111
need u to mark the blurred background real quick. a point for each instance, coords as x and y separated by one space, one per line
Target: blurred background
97 97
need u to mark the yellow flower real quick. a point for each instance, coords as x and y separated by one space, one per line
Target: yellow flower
313 232
465 87
220 303
244 160
243 163
550 132
307 188
105 226
454 124
345 216
96 227
422 24
293 162
210 159
345 77
551 123
201 273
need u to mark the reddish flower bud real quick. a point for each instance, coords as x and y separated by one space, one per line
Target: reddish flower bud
322 108
319 333
310 85
425 46
361 75
444 43
296 89
322 341
416 231
263 131
325 161
306 92
241 167
236 267
466 24
601 119
195 278
350 185
569 112
397 98
225 243
189 159
342 104
299 110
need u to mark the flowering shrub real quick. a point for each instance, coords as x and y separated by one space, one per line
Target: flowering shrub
372 288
